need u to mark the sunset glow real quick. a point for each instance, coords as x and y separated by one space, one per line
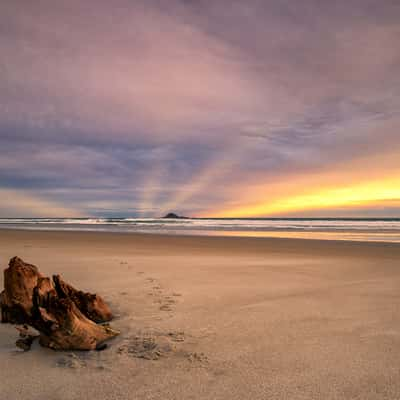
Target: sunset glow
372 194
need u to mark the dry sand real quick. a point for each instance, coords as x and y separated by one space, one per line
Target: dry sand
217 318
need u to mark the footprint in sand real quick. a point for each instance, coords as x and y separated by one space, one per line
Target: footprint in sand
153 345
166 303
177 336
146 347
157 346
165 307
72 361
195 357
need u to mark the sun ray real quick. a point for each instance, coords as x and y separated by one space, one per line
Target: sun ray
220 166
151 188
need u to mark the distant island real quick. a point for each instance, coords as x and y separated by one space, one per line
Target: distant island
174 216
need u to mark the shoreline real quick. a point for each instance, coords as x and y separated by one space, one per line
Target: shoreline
183 244
194 234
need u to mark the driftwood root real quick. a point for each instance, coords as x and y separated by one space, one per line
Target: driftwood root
66 318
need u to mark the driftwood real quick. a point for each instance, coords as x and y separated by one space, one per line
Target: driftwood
90 305
66 318
20 279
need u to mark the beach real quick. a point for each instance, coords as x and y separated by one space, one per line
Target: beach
216 318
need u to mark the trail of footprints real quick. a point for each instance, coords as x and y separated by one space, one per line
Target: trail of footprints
155 344
165 302
147 344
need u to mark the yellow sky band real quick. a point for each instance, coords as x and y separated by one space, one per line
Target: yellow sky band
359 195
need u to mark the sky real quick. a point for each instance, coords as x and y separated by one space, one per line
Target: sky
258 108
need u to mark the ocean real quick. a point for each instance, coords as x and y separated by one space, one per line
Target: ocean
355 229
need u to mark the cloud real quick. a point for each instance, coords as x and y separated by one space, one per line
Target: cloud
17 203
162 104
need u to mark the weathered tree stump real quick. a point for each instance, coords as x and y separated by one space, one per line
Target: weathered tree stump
65 317
90 305
20 279
61 324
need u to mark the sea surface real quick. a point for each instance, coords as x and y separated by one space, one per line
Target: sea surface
355 229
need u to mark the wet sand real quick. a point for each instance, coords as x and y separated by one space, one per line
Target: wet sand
217 318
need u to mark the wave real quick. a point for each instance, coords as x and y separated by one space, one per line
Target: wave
354 229
301 224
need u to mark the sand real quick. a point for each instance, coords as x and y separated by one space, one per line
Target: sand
217 318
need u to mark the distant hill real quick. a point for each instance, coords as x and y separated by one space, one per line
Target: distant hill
174 216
